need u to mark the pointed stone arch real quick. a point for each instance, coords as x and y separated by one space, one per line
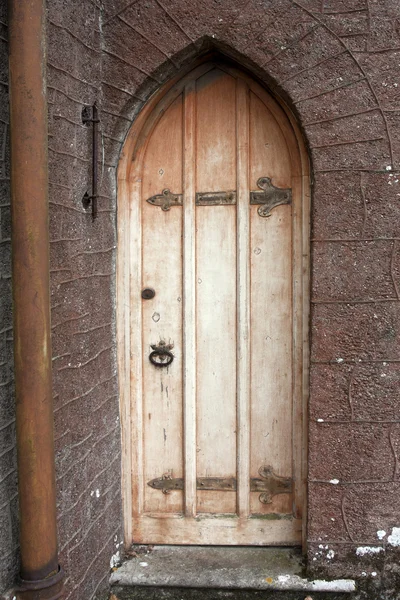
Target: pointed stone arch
129 180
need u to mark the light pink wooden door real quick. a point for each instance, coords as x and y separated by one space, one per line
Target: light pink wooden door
216 435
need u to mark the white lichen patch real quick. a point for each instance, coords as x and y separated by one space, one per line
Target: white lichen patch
381 534
394 537
365 550
330 554
294 582
115 560
338 585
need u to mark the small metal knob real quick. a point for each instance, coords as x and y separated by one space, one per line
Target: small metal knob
148 293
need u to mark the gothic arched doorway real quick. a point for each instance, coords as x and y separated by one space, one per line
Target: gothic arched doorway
213 218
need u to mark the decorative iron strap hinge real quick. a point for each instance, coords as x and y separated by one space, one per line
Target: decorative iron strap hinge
268 198
166 199
269 484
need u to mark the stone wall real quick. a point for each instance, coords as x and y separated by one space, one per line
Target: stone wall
82 264
337 64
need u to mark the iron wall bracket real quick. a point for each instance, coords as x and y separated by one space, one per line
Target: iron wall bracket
91 115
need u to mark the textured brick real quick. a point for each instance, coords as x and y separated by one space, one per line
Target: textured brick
120 74
343 513
328 74
3 63
338 206
383 72
356 43
314 6
82 24
343 24
343 6
381 8
114 7
373 155
5 223
385 33
121 40
116 100
391 572
350 452
153 23
356 331
345 563
382 202
326 521
205 17
355 392
375 391
364 126
318 45
354 270
393 124
68 95
354 98
329 392
371 508
276 26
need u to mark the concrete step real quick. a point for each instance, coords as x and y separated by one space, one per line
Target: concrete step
157 593
206 573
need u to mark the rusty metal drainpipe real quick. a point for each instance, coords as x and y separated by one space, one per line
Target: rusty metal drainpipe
40 576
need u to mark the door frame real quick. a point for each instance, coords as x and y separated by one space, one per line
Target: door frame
126 232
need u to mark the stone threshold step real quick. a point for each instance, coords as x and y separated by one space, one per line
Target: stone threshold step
156 593
223 568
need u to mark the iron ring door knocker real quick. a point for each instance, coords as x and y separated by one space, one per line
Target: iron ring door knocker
161 356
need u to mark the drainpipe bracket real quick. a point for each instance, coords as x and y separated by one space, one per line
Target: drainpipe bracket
50 588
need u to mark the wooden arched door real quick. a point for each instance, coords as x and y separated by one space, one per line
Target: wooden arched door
212 304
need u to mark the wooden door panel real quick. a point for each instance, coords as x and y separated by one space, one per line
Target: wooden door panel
271 311
215 132
227 299
216 352
216 289
162 316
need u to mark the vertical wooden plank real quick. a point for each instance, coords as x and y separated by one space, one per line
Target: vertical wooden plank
301 303
271 306
243 300
124 363
305 200
216 289
189 298
135 254
162 315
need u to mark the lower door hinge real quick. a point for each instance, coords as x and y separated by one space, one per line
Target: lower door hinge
268 484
